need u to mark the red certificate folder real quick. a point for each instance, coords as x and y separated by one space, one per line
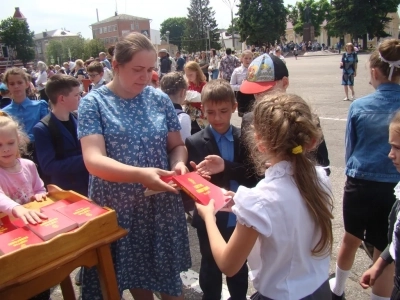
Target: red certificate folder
17 239
6 227
55 205
81 211
201 190
56 224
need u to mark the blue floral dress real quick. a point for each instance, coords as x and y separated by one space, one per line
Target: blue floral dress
156 248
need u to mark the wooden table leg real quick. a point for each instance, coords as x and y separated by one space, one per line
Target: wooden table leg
108 280
67 289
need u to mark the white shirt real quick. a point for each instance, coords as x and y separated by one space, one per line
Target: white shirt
238 75
186 124
108 75
282 266
41 79
214 63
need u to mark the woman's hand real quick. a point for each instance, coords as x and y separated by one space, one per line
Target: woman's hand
28 215
355 73
212 164
151 180
180 168
206 211
39 197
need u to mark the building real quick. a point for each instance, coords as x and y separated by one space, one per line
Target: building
110 30
227 41
42 40
392 29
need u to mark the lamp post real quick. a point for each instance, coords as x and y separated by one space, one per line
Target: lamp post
231 4
167 36
208 37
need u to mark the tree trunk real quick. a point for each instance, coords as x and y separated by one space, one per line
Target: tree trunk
365 41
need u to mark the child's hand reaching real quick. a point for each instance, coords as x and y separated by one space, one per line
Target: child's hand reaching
194 166
28 215
212 164
206 211
38 197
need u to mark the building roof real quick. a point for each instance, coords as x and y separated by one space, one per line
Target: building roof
54 33
227 36
120 17
18 14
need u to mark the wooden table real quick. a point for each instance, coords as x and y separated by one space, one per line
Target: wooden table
29 271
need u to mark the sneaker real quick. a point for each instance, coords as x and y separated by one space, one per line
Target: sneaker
368 248
346 99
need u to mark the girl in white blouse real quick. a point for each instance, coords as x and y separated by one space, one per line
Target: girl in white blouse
245 101
284 224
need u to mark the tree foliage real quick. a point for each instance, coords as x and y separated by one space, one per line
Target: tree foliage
359 17
15 34
176 28
73 48
319 12
200 19
261 22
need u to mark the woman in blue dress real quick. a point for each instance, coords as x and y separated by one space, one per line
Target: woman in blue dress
349 66
130 137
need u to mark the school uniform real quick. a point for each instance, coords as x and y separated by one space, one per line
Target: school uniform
68 172
204 143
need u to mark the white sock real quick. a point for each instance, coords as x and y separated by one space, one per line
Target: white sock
337 284
375 297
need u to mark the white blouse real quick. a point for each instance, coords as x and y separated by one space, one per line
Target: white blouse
238 75
281 263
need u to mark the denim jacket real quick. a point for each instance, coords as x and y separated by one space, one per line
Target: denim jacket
367 135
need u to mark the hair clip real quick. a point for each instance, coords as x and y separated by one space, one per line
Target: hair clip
297 150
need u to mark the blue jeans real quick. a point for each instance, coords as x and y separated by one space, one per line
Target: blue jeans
214 74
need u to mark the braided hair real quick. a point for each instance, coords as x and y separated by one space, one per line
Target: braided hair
172 83
285 128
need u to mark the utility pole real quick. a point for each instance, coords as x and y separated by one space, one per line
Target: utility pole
231 4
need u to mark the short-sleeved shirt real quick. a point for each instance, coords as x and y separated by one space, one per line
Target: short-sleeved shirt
135 133
28 113
281 262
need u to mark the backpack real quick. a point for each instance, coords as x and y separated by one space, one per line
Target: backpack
55 135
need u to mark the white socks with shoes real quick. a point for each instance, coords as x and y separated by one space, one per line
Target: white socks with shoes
375 297
338 283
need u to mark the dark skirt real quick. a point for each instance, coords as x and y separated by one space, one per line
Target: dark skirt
322 293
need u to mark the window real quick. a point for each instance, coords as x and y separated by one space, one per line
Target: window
105 29
109 29
133 26
115 27
101 30
137 25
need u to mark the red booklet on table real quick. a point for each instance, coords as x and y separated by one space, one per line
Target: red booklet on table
56 224
82 211
55 205
17 239
201 190
6 225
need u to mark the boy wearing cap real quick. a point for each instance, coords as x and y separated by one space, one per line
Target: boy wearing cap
5 96
266 74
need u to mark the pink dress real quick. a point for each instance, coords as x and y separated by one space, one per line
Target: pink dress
18 187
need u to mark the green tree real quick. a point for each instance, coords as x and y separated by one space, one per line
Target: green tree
233 28
63 48
176 28
319 11
359 18
15 34
200 20
93 47
261 22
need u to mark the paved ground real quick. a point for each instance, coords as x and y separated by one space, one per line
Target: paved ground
317 79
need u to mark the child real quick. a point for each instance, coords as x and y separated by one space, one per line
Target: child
27 112
196 81
392 251
284 224
245 101
368 192
222 139
95 72
5 96
154 82
19 180
295 52
59 154
175 86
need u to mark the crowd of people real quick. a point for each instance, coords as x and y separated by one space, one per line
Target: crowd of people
146 115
